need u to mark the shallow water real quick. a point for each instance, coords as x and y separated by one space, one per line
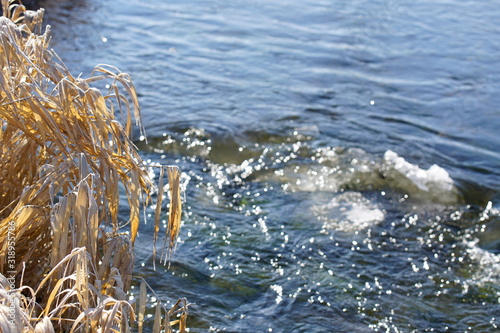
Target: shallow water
340 159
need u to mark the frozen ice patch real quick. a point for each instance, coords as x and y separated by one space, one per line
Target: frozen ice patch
435 176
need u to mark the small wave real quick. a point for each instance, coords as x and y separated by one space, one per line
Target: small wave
337 170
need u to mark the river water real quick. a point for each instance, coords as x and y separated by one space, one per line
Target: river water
340 158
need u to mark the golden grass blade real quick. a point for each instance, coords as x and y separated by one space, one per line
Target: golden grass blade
5 6
175 210
180 306
142 305
83 166
82 280
134 203
80 214
56 291
59 208
159 201
118 97
93 225
182 323
157 322
62 228
111 317
166 323
124 79
112 193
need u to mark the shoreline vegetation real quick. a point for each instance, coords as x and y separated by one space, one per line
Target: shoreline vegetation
66 257
28 5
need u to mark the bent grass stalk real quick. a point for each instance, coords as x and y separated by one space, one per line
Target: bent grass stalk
63 156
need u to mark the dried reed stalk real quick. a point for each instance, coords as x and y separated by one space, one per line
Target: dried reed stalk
63 156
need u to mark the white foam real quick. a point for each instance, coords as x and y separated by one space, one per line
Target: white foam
349 212
434 177
279 292
363 214
488 270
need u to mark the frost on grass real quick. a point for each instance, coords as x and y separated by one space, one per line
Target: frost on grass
66 261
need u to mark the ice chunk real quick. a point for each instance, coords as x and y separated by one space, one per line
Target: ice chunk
435 176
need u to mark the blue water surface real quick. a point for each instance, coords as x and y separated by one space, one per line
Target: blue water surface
340 158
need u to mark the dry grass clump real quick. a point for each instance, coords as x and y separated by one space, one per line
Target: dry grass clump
65 259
